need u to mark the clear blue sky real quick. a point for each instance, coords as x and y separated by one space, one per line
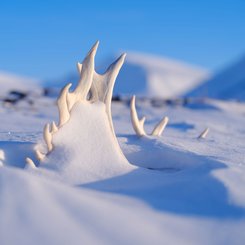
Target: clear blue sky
45 39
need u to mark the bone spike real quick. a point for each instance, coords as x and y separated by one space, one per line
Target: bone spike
137 125
40 156
48 137
86 74
110 78
54 128
79 67
29 163
142 121
62 103
157 131
203 134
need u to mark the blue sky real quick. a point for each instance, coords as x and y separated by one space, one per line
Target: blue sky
45 39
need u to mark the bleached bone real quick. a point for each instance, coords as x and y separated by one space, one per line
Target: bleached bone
29 163
48 137
40 156
62 103
157 131
98 86
102 87
203 134
138 125
54 128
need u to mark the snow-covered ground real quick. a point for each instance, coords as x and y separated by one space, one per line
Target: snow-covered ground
94 183
179 190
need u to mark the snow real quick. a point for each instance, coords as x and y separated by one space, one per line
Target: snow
200 199
172 189
229 83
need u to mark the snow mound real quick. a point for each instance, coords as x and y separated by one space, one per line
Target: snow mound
227 84
9 82
85 148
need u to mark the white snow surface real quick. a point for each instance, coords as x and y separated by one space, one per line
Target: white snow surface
179 190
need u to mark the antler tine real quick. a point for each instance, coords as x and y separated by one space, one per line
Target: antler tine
203 134
86 74
30 163
138 125
48 137
62 103
110 78
40 156
157 131
79 67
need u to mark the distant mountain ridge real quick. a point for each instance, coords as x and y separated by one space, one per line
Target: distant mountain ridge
229 83
10 82
157 76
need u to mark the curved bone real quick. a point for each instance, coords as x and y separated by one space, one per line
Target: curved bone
64 113
138 125
29 163
48 137
102 85
40 156
157 131
203 134
86 70
54 128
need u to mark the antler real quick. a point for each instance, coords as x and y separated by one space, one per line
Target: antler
138 125
99 87
203 134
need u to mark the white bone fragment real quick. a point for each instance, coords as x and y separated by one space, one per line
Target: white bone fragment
40 156
29 163
138 125
54 128
157 131
203 134
64 114
48 137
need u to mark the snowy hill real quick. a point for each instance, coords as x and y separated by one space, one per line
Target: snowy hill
147 75
150 75
10 82
227 84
